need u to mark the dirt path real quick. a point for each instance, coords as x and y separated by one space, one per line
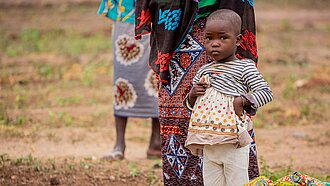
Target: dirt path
302 148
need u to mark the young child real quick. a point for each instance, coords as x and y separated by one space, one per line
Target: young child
223 92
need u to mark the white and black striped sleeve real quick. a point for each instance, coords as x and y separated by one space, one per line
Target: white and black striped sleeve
257 85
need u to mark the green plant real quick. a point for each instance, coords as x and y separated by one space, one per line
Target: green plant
273 175
59 118
52 163
3 159
69 163
85 165
51 136
73 100
305 111
30 38
19 101
20 120
88 76
4 118
133 170
157 164
290 90
151 178
37 166
30 161
46 70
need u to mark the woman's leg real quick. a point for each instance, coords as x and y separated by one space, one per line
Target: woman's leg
120 123
120 145
154 144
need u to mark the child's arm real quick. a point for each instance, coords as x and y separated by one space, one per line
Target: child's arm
261 92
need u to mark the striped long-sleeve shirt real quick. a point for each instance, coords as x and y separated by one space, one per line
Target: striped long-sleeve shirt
236 78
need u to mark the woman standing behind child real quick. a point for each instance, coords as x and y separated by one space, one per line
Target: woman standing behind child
223 92
134 84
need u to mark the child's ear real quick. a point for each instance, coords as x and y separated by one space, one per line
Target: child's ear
238 39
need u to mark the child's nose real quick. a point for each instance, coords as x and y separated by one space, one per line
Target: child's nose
215 44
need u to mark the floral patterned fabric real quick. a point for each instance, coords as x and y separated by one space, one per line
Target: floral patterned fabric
295 179
135 84
135 87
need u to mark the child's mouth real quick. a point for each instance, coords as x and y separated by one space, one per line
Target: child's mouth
215 52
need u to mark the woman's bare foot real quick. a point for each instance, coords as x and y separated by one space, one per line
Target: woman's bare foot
115 155
154 153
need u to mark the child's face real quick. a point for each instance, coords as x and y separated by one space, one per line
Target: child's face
221 40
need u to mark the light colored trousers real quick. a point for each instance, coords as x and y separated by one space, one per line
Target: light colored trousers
225 165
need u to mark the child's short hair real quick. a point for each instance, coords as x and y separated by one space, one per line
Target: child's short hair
228 15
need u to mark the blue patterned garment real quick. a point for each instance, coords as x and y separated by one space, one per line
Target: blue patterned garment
250 2
171 19
118 10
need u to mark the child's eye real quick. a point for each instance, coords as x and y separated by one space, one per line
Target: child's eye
208 38
222 38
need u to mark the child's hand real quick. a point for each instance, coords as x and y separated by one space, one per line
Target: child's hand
238 106
198 89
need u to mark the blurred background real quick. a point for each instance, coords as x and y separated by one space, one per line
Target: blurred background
56 94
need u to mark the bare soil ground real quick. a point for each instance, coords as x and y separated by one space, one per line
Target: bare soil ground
54 129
